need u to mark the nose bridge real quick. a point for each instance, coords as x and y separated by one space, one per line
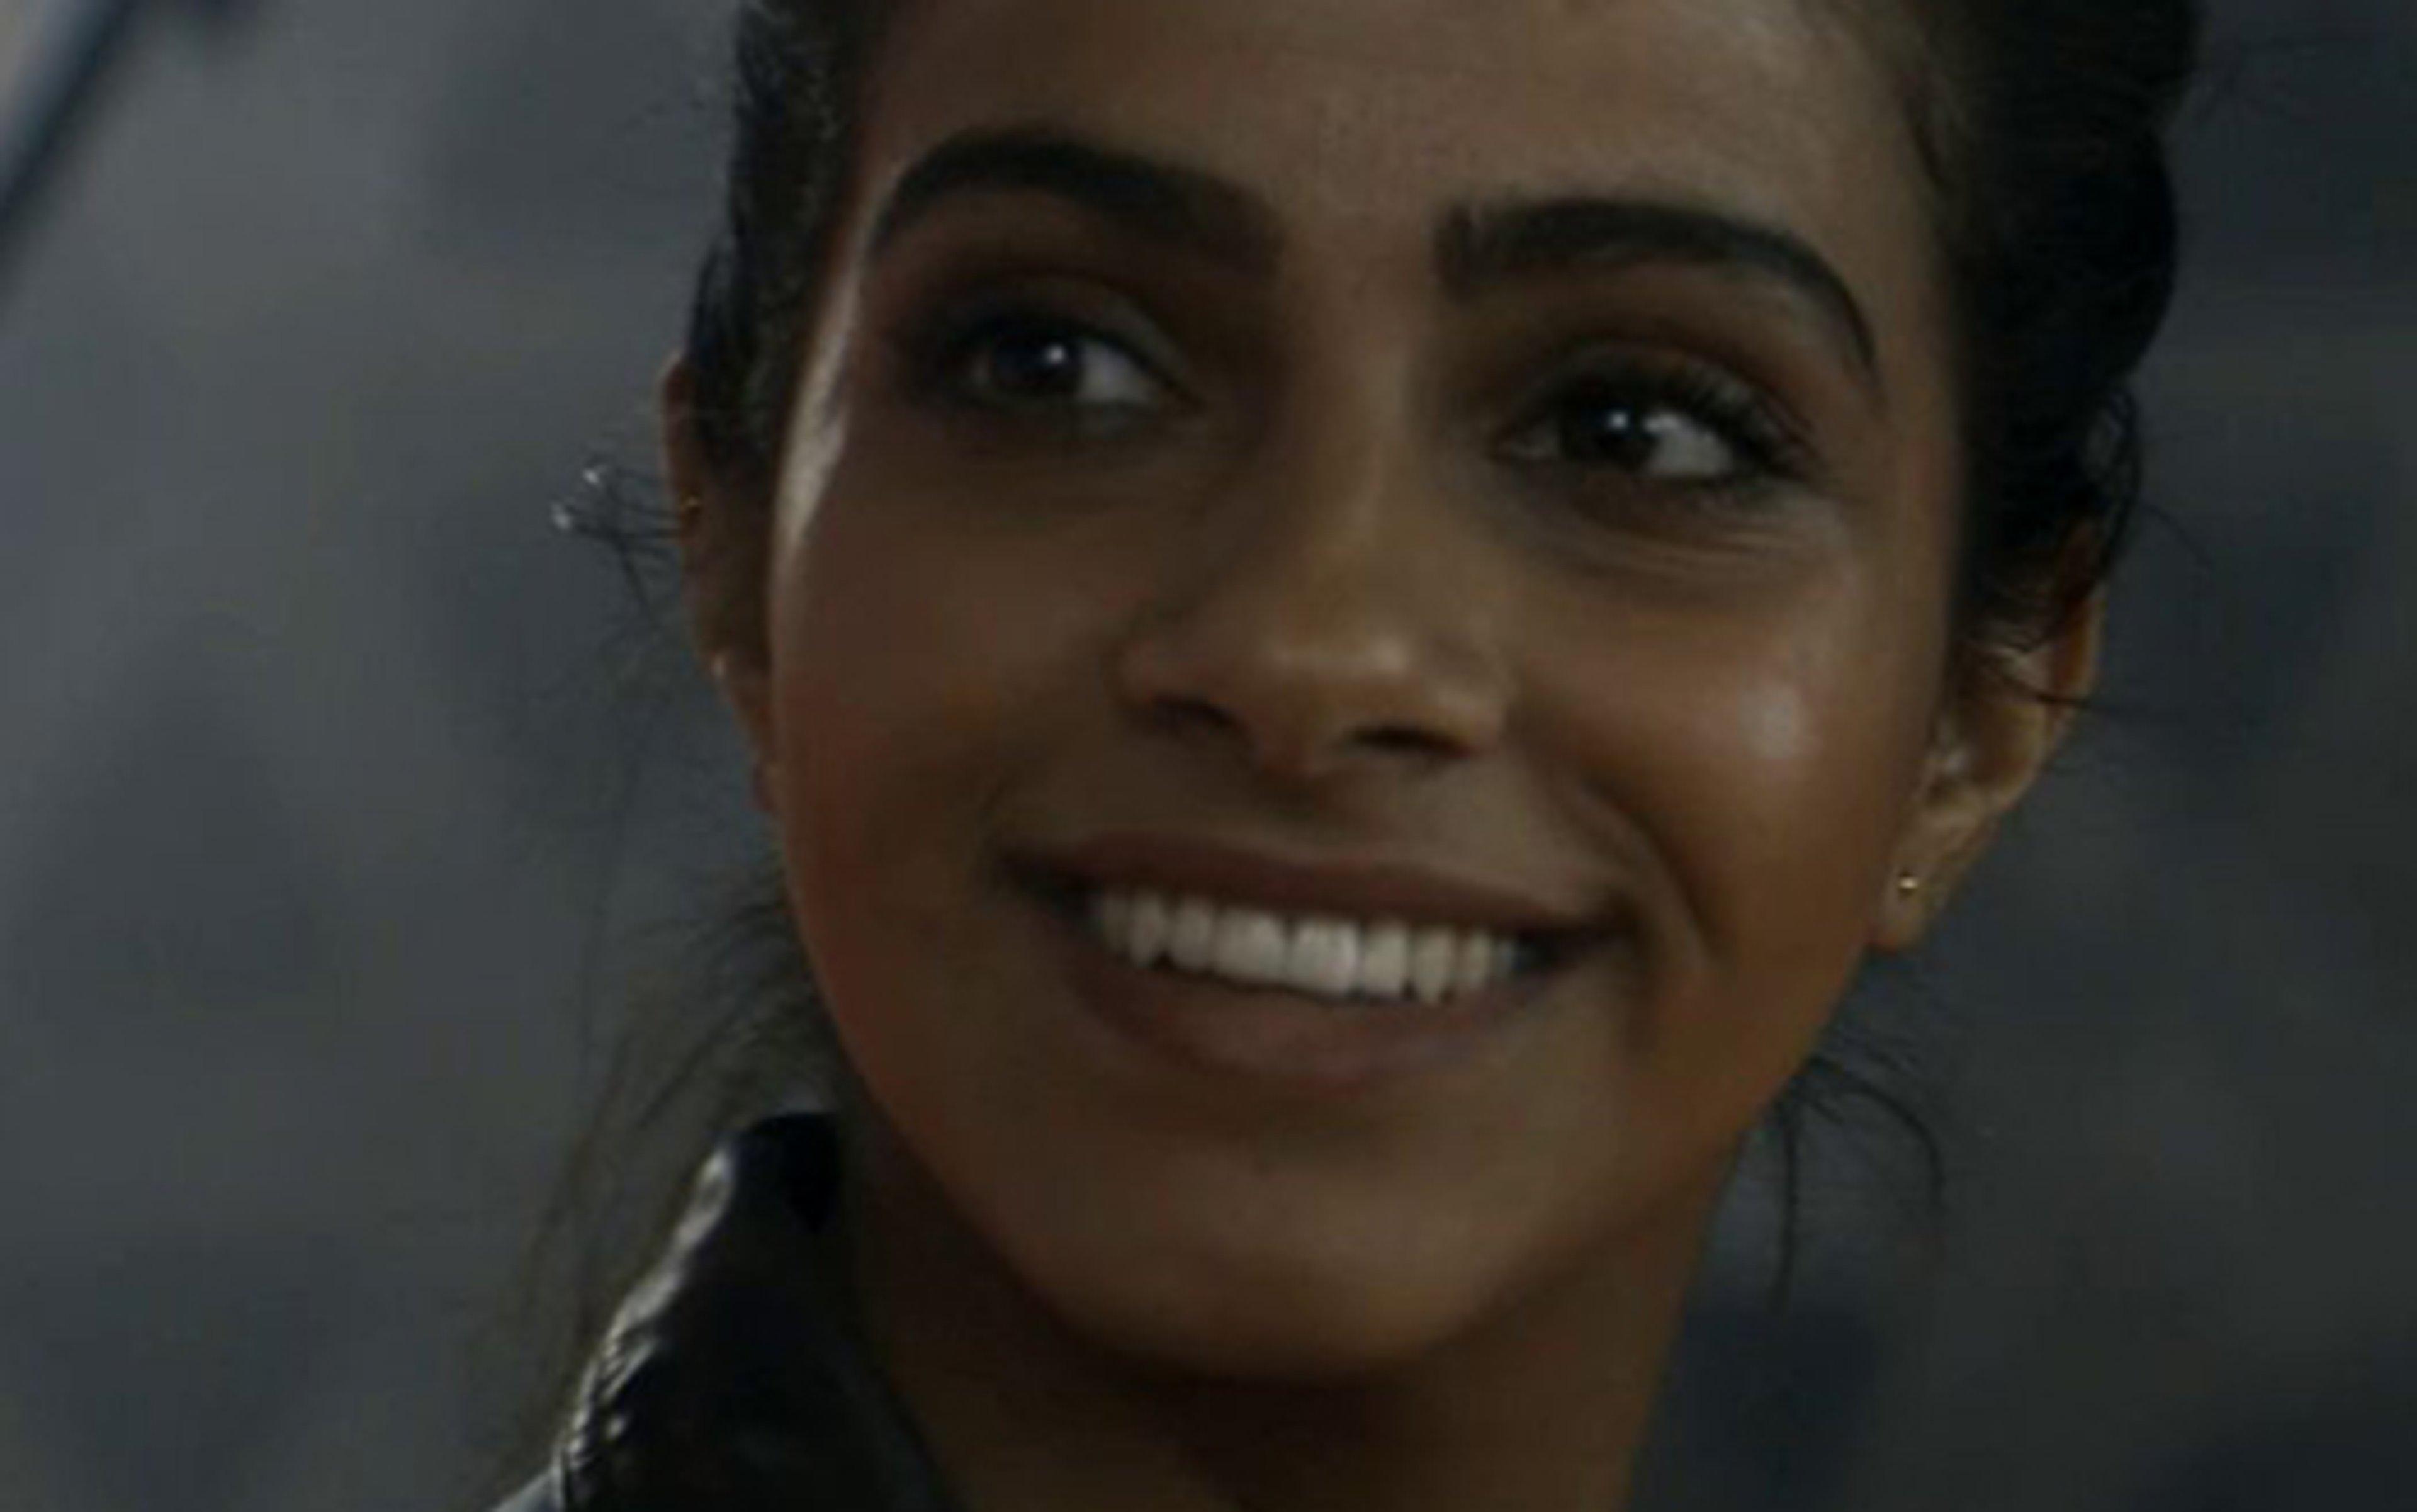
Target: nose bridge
1331 505
1329 611
1326 492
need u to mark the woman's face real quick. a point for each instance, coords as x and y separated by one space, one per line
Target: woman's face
1437 515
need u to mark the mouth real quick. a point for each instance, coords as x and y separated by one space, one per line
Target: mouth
1330 981
1378 962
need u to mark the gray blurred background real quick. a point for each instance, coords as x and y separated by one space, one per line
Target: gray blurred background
340 798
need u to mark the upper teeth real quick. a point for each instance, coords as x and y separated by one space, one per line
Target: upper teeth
1322 956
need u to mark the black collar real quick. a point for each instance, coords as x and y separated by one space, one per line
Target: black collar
734 1378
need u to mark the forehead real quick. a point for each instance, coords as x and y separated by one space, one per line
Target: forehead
1375 110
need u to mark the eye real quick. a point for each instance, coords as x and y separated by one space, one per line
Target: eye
1030 362
1603 426
1679 430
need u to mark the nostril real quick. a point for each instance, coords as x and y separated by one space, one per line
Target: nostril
1187 716
1307 746
1311 680
1308 716
1403 739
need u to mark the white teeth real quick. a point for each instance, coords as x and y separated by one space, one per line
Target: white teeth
1385 960
1434 961
1194 940
1251 946
1325 957
1318 956
1476 965
1151 927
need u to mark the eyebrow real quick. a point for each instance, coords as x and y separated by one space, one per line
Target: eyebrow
1180 208
1481 249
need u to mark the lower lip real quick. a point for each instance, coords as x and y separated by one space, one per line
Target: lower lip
1285 1039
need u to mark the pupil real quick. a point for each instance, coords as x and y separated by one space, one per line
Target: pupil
1036 362
1609 431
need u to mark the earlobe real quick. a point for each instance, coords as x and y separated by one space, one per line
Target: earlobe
1994 741
720 557
745 689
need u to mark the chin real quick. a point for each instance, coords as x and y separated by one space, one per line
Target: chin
1303 1309
1305 1334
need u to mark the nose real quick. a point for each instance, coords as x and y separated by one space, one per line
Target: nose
1328 617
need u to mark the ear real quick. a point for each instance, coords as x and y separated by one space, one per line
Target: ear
1995 738
721 555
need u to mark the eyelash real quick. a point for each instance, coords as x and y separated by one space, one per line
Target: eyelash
1766 446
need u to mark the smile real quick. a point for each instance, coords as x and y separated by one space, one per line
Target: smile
1339 960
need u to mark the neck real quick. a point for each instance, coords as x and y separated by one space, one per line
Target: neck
1540 1408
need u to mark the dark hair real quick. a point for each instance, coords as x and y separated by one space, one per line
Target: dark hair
2041 125
2046 137
801 68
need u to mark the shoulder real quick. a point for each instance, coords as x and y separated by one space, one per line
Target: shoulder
734 1376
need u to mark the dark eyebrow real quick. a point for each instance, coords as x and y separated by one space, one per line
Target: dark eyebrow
1182 208
1480 248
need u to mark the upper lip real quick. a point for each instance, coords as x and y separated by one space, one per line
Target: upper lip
1350 887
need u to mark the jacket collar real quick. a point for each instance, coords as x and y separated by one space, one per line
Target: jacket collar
734 1378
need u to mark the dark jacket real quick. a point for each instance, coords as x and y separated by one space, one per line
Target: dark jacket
732 1379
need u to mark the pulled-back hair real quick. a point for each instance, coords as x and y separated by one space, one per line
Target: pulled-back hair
800 76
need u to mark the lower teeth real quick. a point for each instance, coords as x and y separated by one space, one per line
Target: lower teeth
1523 961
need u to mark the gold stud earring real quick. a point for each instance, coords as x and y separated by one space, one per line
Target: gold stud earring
1908 885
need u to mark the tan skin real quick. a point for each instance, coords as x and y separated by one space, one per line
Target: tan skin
1617 585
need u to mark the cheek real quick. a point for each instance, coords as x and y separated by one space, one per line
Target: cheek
928 661
1765 761
915 661
1807 760
1769 788
891 691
